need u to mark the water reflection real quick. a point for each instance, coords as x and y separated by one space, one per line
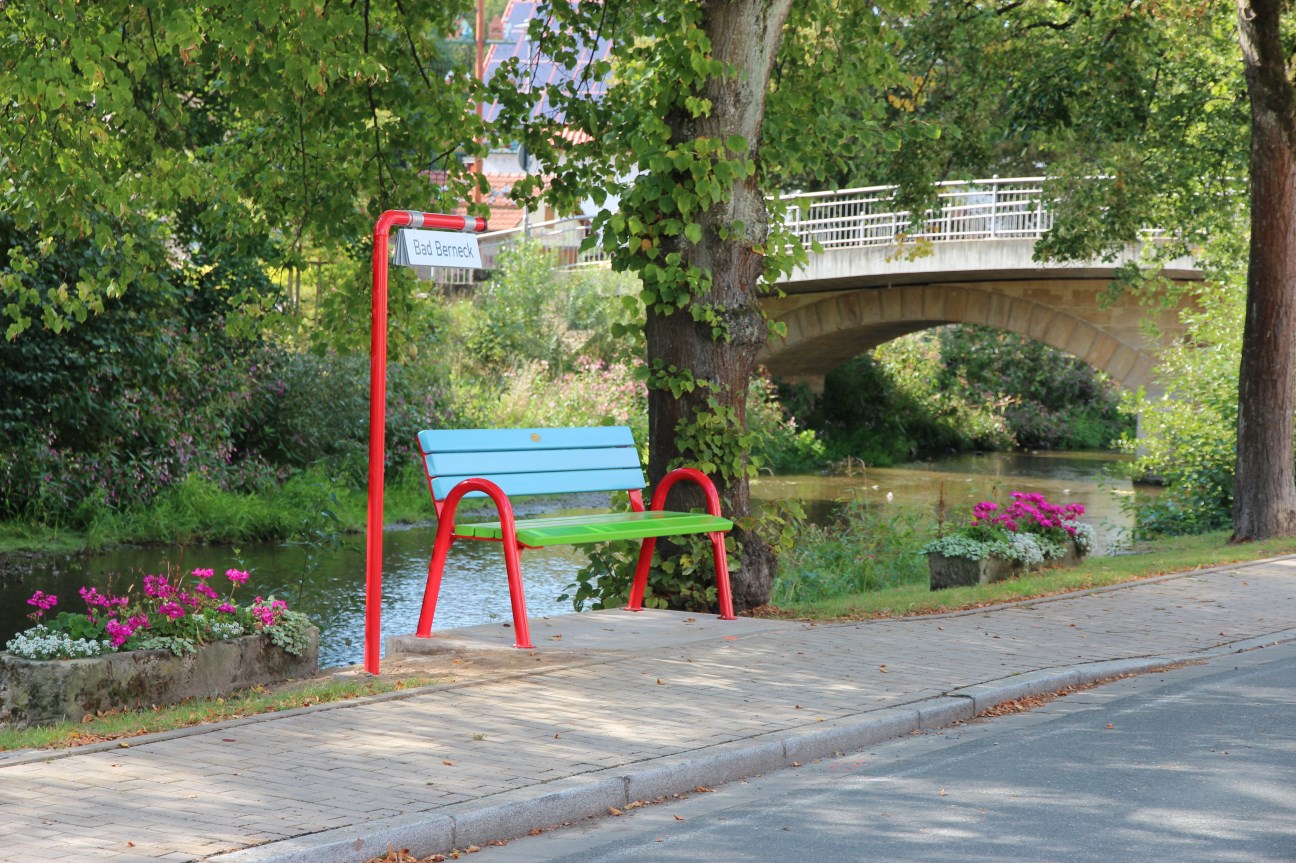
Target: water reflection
330 591
1091 479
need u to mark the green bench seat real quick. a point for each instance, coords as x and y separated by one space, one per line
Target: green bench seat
499 463
602 527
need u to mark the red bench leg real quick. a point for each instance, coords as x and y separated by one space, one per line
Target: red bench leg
641 574
513 563
433 589
722 576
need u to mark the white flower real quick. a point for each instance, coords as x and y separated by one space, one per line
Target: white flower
40 643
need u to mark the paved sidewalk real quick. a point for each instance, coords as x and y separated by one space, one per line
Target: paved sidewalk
688 701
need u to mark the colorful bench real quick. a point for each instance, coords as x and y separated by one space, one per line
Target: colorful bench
499 463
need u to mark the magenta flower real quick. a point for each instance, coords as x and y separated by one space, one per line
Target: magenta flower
158 586
226 608
173 610
94 599
118 632
268 613
236 576
207 591
204 573
43 601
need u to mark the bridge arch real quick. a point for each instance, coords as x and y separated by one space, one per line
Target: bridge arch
825 331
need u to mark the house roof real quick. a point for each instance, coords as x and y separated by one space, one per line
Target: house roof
540 72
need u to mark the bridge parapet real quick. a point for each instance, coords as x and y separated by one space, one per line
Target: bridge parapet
881 274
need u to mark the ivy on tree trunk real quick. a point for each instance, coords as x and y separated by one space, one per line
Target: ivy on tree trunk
719 345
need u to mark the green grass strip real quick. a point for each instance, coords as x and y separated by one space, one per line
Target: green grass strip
248 702
1161 557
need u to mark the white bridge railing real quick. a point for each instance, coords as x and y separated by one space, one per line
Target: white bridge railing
850 218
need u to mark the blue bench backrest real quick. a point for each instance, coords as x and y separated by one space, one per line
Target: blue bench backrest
533 461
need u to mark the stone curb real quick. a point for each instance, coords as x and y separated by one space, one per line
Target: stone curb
516 813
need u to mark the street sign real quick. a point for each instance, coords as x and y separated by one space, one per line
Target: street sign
416 248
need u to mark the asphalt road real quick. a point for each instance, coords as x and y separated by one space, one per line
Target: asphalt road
1195 764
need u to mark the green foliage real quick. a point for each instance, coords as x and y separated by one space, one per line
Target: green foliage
779 443
291 633
963 388
1149 96
176 645
1050 400
151 130
684 581
1190 435
867 547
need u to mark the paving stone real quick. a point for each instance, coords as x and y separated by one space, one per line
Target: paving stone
333 776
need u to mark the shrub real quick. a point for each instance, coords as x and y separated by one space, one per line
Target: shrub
866 547
1190 435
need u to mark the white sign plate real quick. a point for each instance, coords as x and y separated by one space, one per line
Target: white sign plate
437 249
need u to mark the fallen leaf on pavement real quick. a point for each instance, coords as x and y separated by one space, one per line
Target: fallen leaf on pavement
447 763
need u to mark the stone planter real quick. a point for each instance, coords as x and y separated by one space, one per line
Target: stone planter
1073 555
961 572
33 691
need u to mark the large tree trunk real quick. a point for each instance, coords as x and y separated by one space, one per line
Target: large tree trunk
744 34
1264 497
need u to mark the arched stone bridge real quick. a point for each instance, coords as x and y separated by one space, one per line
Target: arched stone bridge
877 279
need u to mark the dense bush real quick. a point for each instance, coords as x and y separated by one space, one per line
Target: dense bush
964 388
1191 434
869 545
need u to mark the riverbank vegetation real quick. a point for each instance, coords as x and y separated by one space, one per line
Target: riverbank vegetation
151 423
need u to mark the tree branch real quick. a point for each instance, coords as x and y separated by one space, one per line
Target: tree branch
413 50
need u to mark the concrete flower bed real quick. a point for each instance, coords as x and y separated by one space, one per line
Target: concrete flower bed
33 691
962 572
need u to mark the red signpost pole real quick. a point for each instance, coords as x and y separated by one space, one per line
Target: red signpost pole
378 407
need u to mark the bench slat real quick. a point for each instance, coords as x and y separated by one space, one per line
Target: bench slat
567 482
491 464
603 527
503 440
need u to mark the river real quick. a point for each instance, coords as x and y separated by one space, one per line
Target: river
329 585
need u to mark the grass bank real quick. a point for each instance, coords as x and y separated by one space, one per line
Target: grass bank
910 594
311 505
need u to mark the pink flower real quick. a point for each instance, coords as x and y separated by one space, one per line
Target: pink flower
236 576
207 591
204 573
268 614
118 632
158 586
173 610
43 601
226 608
